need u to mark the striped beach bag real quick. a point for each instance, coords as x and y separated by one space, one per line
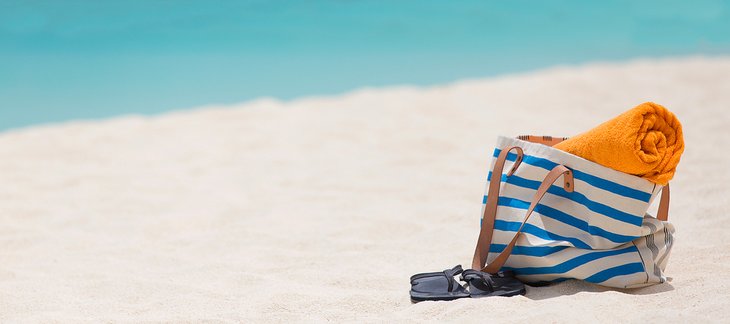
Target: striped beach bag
592 225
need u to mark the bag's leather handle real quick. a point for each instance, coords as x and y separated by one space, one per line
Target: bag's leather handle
545 140
490 210
662 213
550 178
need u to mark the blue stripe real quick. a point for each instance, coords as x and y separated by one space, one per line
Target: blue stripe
601 276
574 263
527 250
566 219
539 232
621 270
569 220
597 182
579 198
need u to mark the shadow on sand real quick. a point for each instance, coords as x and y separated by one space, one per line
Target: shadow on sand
572 287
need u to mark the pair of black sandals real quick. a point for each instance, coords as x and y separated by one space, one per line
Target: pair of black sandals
444 286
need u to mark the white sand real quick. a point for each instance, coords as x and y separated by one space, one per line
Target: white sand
321 208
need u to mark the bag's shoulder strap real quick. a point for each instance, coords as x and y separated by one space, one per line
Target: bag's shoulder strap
662 213
545 140
480 257
490 210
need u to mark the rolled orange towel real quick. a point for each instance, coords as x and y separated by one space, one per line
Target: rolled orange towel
645 141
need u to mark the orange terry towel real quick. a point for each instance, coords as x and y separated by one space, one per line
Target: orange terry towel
645 141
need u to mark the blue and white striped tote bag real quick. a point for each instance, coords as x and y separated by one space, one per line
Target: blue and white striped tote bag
593 227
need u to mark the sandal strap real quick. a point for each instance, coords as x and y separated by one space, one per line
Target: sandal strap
451 273
485 277
454 271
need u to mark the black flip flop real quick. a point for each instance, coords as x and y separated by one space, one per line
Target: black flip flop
437 286
503 283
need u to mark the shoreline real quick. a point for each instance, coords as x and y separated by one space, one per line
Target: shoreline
274 101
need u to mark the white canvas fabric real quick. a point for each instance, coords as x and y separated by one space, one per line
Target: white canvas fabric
600 232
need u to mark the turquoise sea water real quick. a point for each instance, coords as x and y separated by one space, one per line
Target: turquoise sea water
92 59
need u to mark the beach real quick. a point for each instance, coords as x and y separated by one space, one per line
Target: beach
321 208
